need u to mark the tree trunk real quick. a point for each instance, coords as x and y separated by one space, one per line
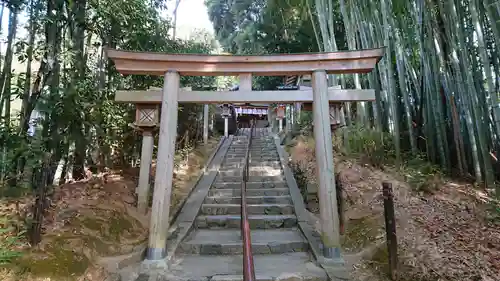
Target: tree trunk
5 83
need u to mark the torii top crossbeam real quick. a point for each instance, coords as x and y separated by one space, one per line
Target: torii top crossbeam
360 61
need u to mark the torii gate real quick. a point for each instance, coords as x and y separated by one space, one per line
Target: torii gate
171 66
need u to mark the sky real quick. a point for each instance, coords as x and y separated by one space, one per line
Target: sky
191 14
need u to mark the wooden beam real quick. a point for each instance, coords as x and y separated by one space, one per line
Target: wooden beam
242 96
360 61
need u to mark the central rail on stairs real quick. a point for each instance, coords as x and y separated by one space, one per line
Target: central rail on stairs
248 267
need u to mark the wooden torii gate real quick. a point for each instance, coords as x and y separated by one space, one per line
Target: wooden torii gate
172 66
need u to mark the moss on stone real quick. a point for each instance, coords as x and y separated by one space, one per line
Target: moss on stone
54 262
380 261
96 245
118 224
359 233
93 224
111 229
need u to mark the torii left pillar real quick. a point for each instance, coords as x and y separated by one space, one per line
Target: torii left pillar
158 230
329 216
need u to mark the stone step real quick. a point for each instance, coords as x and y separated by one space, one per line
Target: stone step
233 160
253 148
267 178
221 178
253 209
252 152
257 158
252 171
269 163
256 141
250 185
240 165
287 266
285 199
242 151
264 159
273 170
255 221
231 192
253 155
228 242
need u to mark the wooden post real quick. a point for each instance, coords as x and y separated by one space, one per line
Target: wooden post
330 235
205 124
340 203
390 228
144 172
165 165
35 233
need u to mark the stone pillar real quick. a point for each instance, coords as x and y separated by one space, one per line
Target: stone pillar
280 115
330 234
297 112
205 124
211 126
157 247
289 118
226 127
270 119
145 169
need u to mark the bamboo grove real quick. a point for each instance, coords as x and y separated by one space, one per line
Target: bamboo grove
437 88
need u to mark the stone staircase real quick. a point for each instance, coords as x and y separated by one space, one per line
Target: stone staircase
213 248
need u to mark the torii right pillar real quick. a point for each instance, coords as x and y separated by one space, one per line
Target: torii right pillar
329 216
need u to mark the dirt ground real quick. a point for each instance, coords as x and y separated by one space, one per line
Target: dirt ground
452 233
87 220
